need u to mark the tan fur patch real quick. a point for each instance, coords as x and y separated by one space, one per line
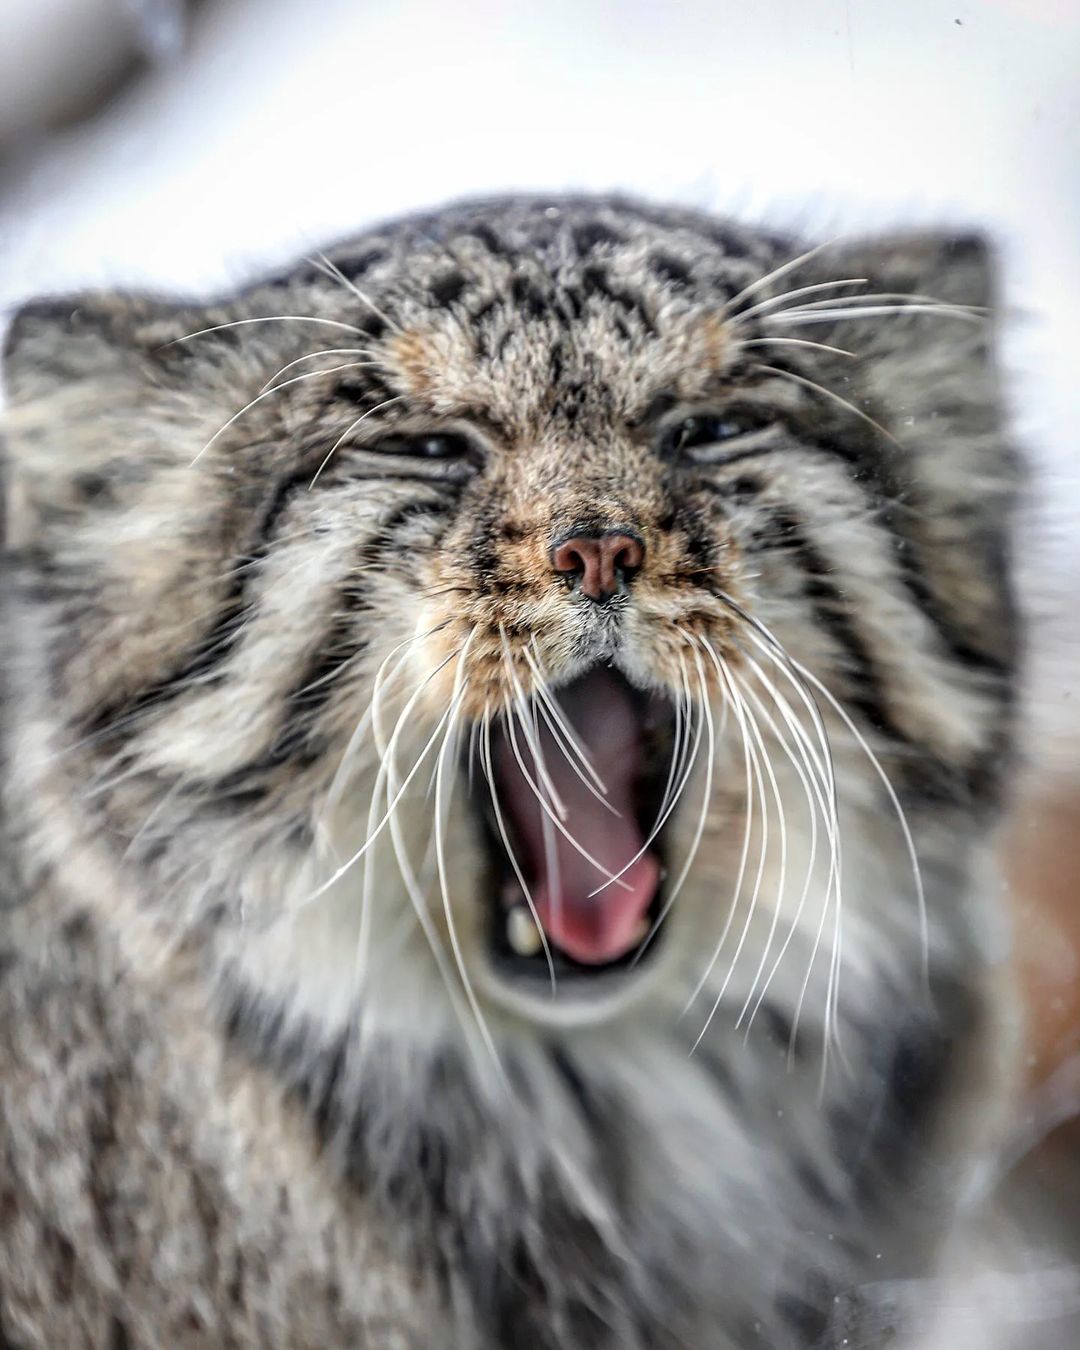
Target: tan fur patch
414 357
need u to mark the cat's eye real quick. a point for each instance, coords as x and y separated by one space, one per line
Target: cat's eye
708 429
432 445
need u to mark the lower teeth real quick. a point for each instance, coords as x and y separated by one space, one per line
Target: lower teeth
522 933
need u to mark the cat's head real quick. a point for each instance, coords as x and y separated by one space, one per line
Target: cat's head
456 608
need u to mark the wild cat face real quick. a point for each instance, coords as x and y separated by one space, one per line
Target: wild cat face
492 583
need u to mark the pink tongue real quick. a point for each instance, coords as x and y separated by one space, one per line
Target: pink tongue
597 928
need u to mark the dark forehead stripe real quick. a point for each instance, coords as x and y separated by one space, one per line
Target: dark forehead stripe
447 288
670 269
593 233
530 299
595 280
354 266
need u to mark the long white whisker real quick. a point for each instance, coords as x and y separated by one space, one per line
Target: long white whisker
442 808
797 342
825 772
362 726
776 653
830 394
771 303
676 749
533 740
419 901
547 810
901 815
800 318
686 768
332 269
783 662
766 642
815 801
779 656
266 393
326 351
706 799
489 773
743 712
561 720
899 300
269 318
551 853
474 735
740 718
348 432
774 275
782 880
367 883
529 730
565 749
383 777
401 723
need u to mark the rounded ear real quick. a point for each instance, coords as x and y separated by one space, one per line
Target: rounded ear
115 541
959 269
53 341
76 369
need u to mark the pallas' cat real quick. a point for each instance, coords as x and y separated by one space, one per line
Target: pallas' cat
501 727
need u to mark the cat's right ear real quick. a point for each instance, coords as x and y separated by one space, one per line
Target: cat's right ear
82 378
54 342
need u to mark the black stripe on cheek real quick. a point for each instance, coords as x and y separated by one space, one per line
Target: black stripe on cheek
878 472
218 643
875 471
297 742
833 613
913 577
869 469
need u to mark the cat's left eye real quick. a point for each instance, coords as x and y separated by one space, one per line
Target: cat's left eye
708 429
442 445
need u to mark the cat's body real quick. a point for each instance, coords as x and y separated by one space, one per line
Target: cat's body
247 1098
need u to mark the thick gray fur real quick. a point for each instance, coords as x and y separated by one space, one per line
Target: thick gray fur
218 1126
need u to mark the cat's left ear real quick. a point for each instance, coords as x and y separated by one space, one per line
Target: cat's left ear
918 311
956 268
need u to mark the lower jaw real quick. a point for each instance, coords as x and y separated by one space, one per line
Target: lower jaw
577 999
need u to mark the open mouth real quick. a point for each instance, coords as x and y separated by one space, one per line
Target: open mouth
575 859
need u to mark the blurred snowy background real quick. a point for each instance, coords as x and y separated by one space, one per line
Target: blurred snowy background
182 145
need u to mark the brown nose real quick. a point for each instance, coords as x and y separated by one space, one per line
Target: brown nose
598 565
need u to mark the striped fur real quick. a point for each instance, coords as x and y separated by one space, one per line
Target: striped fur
202 603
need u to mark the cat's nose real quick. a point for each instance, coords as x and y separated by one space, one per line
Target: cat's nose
599 563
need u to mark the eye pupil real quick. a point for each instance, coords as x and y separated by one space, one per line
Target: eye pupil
709 429
434 445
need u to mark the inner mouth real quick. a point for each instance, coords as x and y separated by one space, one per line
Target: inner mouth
602 773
